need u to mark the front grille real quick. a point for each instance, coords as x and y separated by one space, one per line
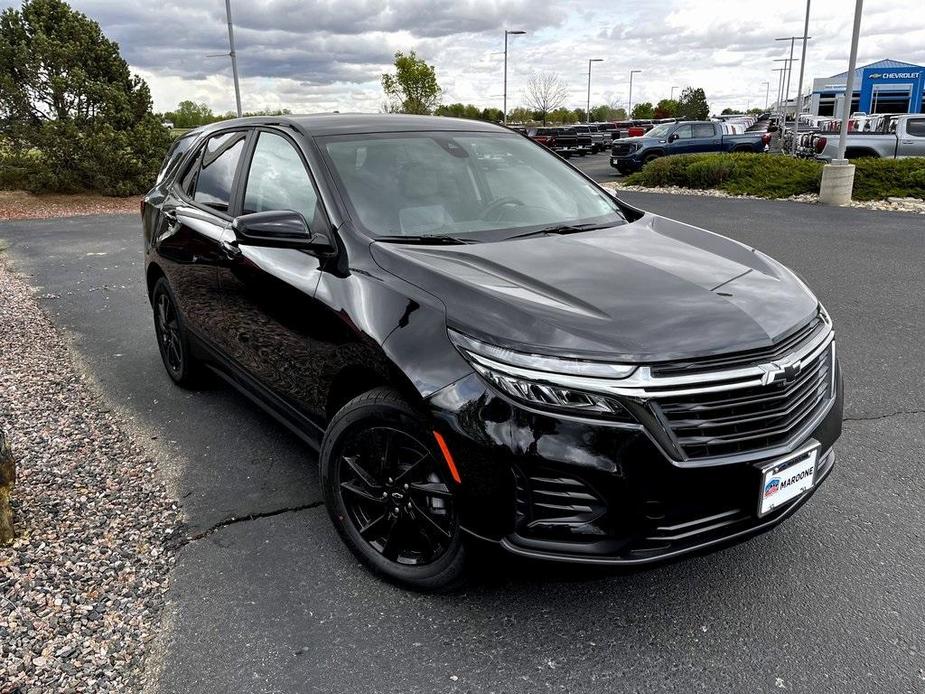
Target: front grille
743 359
550 504
622 149
726 422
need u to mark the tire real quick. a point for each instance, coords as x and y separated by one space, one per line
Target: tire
410 535
172 338
650 158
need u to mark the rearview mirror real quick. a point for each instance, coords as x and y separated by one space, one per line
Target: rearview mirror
278 229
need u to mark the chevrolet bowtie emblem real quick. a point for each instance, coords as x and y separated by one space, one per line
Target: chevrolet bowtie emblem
783 371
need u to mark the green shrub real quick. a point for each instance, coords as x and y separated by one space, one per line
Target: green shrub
763 175
780 176
876 179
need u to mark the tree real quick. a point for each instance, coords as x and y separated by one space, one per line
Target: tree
520 115
190 115
71 112
644 110
492 115
728 111
693 104
666 108
580 115
545 93
607 112
413 88
562 115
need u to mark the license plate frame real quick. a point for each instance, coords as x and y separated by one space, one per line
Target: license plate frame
795 475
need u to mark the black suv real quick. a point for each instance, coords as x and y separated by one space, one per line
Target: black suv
483 343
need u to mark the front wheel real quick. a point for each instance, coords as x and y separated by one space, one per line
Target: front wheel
390 494
649 158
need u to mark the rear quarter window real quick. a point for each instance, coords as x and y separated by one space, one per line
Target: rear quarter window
916 127
174 156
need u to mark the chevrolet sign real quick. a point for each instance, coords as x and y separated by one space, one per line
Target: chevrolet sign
894 75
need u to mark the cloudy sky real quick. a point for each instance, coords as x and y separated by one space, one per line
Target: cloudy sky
328 55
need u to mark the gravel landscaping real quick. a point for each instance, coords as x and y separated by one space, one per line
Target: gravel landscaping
17 204
915 205
82 586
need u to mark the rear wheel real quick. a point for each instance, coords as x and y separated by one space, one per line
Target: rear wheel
172 340
389 493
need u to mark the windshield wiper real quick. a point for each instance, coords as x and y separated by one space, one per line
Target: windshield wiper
434 240
560 229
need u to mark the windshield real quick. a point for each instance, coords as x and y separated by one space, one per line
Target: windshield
660 132
459 183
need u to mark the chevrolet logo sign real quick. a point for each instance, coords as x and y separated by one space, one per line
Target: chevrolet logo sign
783 371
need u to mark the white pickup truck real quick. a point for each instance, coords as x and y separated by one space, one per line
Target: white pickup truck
905 137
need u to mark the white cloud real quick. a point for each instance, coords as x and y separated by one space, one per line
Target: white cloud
328 54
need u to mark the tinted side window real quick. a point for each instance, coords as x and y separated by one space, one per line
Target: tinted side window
174 155
916 127
278 179
683 132
703 130
212 185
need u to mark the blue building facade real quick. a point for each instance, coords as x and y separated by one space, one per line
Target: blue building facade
887 86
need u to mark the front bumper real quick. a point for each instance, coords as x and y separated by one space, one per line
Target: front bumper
627 163
576 490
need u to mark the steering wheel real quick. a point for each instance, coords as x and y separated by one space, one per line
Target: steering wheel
496 206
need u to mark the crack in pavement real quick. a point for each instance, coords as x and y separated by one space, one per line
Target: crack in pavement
234 520
874 418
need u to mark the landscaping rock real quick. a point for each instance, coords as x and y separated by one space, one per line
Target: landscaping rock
7 480
82 585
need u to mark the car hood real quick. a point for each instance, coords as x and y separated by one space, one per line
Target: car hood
650 290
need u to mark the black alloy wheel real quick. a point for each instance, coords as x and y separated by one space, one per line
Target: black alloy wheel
171 337
389 494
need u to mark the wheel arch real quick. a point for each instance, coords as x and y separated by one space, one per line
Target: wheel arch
152 275
860 152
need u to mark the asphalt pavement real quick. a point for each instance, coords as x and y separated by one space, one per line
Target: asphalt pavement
267 599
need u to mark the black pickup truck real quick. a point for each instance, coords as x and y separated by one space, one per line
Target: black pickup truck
563 141
689 137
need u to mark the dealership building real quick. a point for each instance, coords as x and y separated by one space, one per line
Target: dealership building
887 86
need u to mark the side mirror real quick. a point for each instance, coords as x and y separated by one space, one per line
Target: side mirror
673 137
278 229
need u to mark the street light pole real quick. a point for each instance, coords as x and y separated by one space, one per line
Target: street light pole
234 57
849 86
798 107
630 98
506 33
672 93
588 112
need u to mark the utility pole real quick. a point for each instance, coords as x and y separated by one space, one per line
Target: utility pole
849 87
588 112
796 108
672 93
234 57
629 113
506 34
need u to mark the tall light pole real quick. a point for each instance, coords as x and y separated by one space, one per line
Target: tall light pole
781 98
507 33
234 57
837 182
792 39
798 107
767 94
629 113
588 112
849 86
672 93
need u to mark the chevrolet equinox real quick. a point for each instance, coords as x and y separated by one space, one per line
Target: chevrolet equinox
484 344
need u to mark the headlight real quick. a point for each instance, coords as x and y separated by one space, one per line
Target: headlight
550 382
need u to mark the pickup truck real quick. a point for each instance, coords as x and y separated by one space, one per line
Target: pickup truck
584 143
559 140
904 137
688 137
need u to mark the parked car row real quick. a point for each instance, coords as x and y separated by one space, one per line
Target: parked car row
685 137
569 140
